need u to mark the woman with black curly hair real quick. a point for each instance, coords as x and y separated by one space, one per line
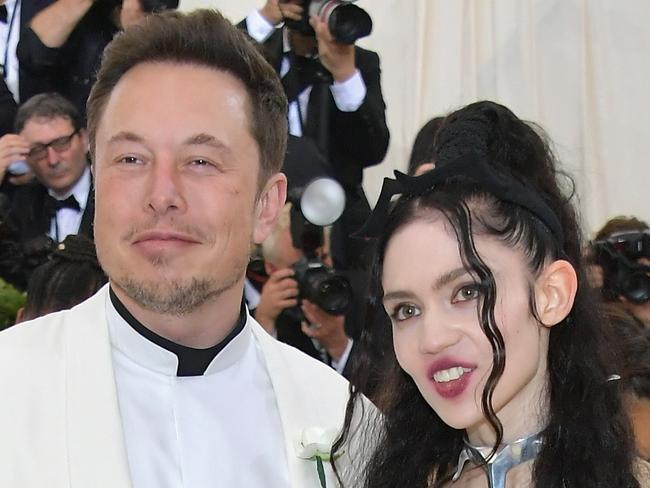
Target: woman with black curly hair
499 375
71 275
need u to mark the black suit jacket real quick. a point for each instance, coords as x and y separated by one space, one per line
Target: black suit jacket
23 233
7 109
30 84
30 217
70 69
353 140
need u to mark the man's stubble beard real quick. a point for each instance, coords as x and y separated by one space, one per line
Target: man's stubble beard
176 297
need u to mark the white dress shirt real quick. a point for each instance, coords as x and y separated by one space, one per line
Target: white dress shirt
221 429
9 35
68 220
348 95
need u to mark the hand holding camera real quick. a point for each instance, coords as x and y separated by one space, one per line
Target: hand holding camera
13 152
336 57
275 11
278 293
131 13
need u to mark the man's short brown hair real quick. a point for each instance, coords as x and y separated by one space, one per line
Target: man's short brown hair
204 38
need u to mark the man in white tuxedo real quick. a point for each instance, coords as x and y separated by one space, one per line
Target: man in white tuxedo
163 379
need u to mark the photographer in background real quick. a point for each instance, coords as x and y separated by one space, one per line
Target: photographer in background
64 42
321 335
620 253
335 97
51 139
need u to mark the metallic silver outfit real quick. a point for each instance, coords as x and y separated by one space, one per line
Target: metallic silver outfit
507 457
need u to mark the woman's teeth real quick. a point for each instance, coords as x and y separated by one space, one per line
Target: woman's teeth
450 374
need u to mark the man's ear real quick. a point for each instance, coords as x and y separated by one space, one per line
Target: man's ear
269 206
555 291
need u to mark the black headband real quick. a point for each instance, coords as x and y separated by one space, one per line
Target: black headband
469 166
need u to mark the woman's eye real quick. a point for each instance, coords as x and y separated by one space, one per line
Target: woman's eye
467 293
404 311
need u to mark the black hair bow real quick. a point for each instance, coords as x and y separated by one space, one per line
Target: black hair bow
471 167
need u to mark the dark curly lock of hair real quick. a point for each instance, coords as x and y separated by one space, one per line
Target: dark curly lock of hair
71 275
587 439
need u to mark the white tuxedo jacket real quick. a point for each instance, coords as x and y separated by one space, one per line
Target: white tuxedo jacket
60 425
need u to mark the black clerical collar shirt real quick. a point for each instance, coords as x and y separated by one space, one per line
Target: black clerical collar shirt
191 361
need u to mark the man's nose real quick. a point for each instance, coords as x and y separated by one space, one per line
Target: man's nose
165 188
53 157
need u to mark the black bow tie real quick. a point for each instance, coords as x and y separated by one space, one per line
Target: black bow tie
3 14
56 205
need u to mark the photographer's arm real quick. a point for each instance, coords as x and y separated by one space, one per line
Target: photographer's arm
131 13
54 24
359 129
260 24
278 293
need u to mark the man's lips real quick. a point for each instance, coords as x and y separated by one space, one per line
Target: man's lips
161 237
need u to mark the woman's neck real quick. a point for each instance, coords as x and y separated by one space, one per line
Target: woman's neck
525 414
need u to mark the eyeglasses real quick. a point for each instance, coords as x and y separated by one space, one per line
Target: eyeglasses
38 152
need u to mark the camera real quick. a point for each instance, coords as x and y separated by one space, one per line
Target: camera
346 21
622 274
318 204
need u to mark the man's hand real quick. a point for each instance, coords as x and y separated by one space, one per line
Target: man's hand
131 13
278 293
275 11
327 329
12 148
336 57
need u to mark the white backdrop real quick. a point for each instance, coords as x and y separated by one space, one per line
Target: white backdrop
579 68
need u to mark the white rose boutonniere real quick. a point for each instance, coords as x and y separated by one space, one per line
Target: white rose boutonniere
316 445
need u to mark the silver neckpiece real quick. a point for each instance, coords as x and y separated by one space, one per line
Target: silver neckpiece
507 457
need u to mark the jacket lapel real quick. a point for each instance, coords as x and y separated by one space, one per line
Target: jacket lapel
95 442
297 406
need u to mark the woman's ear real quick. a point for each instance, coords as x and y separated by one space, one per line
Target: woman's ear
555 291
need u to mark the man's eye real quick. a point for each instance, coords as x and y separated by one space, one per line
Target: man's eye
404 311
128 160
467 293
201 162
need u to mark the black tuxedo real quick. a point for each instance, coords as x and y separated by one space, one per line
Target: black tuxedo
29 84
31 217
23 232
7 109
353 140
70 69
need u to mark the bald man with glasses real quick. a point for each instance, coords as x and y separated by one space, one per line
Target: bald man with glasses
52 144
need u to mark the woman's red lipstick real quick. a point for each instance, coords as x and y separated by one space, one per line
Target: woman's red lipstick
447 368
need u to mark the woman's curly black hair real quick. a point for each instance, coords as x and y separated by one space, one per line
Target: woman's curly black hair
71 275
587 439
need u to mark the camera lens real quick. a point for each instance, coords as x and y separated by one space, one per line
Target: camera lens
334 295
637 287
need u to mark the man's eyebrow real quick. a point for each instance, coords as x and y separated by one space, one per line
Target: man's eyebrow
126 136
194 140
204 139
441 281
